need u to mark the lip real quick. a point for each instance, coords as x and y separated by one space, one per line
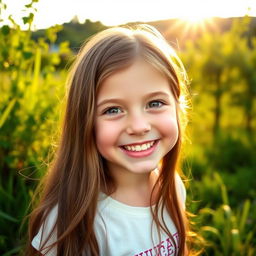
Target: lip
143 153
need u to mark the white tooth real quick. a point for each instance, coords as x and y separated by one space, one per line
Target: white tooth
138 148
144 146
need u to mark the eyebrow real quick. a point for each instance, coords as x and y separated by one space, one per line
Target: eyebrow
152 94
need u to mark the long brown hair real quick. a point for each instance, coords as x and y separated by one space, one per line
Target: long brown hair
77 173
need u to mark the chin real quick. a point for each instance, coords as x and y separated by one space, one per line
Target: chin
144 169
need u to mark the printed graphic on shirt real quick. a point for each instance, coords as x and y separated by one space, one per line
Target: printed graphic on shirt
164 248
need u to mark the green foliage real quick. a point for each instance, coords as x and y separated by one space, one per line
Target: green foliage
223 190
74 32
229 153
227 231
227 63
31 93
233 156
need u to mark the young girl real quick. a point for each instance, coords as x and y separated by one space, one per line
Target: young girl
113 188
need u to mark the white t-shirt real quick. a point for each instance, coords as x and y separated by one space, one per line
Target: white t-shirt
122 230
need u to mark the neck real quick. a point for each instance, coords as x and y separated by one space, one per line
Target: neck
135 189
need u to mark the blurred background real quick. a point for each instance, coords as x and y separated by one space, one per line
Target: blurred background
216 40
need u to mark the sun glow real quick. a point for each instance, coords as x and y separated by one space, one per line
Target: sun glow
194 19
193 13
197 14
196 22
191 25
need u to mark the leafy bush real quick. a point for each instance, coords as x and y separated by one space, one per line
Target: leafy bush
229 153
31 95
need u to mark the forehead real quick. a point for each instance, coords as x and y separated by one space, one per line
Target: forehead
139 78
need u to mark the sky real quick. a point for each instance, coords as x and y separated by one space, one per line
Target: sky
116 12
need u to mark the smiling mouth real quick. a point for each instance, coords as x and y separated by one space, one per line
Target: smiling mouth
139 147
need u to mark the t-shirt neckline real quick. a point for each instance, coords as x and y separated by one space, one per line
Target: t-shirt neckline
108 201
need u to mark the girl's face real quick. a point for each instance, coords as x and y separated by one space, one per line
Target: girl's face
136 123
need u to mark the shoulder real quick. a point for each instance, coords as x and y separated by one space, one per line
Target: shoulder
46 234
181 190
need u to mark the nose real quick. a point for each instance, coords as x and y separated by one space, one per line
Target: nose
138 125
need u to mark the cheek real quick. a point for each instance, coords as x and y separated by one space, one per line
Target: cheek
168 127
106 136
